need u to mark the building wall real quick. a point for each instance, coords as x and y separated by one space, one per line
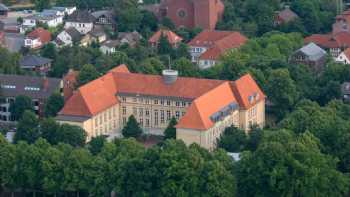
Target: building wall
36 43
208 138
196 52
83 28
253 116
54 22
66 38
152 113
342 59
205 64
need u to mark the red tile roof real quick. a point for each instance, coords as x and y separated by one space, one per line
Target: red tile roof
199 113
208 96
40 33
340 40
172 37
217 42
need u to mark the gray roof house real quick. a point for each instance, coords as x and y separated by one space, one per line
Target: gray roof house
34 87
74 34
37 64
39 89
81 16
311 55
3 10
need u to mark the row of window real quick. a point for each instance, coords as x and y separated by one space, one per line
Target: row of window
158 102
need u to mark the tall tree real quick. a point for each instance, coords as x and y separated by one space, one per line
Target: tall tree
170 131
132 128
164 47
87 73
54 104
27 129
21 104
232 139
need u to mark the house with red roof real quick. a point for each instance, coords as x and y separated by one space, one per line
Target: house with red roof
192 13
172 37
203 107
37 38
208 46
344 57
333 43
285 16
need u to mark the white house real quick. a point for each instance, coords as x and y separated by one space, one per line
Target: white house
37 38
50 12
68 37
344 57
83 21
31 21
28 23
208 46
65 10
109 47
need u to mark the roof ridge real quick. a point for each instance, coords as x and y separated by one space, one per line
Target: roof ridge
85 103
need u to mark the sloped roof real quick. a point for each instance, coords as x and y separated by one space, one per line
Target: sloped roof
3 7
172 37
98 14
31 61
74 33
40 33
207 96
287 15
313 51
207 38
347 53
111 43
340 40
81 16
231 41
199 113
34 87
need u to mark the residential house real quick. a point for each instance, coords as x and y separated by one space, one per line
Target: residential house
203 107
342 23
173 38
105 18
130 38
14 41
345 90
37 88
68 37
32 21
311 55
192 13
285 16
98 34
37 38
109 47
52 12
82 20
3 10
208 46
66 10
38 64
333 43
344 57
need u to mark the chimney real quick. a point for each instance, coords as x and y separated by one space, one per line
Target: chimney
45 84
169 76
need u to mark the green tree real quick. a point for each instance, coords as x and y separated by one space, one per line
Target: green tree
72 135
53 104
96 144
21 104
288 165
281 90
170 131
132 128
87 73
27 129
49 130
232 140
49 51
164 47
40 5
